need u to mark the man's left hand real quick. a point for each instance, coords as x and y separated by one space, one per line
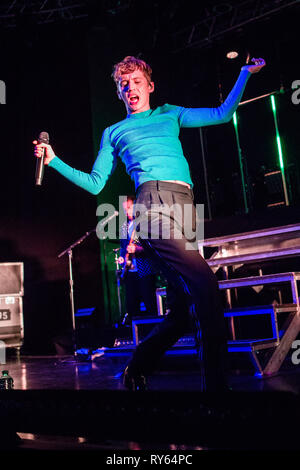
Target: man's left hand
258 64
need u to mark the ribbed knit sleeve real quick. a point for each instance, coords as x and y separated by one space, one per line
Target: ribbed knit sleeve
103 167
197 117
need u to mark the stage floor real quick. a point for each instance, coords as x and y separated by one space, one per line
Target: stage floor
67 403
179 370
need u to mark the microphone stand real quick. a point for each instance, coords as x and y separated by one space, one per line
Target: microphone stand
116 250
69 252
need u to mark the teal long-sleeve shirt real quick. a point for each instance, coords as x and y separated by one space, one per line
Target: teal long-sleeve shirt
148 143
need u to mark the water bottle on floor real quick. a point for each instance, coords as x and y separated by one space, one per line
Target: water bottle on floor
6 381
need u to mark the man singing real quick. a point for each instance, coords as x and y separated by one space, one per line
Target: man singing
147 141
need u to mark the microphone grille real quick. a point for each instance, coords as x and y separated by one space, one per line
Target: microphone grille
43 138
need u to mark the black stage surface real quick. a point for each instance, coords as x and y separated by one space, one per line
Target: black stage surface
68 403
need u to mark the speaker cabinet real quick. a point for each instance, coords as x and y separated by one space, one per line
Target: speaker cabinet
11 304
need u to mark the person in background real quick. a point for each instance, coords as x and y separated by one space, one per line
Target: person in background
138 272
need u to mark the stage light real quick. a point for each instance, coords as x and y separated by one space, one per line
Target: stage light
280 152
279 148
273 103
232 55
278 140
235 119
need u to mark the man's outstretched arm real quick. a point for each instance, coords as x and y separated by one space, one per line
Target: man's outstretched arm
92 182
198 117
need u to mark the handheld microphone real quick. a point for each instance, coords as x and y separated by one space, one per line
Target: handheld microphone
39 169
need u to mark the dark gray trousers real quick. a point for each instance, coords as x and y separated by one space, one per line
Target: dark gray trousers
192 286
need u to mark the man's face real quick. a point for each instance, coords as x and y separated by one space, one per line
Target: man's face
128 208
134 89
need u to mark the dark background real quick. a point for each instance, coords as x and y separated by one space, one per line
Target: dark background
57 77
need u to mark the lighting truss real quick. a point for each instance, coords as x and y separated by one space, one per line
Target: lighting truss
51 11
224 18
41 12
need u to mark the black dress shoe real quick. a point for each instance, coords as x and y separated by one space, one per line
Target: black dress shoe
134 382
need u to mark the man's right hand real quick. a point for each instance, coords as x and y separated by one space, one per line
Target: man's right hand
38 151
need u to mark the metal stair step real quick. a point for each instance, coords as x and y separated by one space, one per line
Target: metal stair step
260 310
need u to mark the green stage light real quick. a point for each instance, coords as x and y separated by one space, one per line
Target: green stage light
279 148
280 152
278 140
234 119
273 103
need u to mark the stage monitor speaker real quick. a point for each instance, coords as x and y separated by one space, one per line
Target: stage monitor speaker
11 304
11 321
11 279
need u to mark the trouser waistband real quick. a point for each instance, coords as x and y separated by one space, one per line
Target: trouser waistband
164 186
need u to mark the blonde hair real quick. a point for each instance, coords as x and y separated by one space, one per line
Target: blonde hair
128 65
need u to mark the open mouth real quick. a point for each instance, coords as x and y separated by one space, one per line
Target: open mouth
133 99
